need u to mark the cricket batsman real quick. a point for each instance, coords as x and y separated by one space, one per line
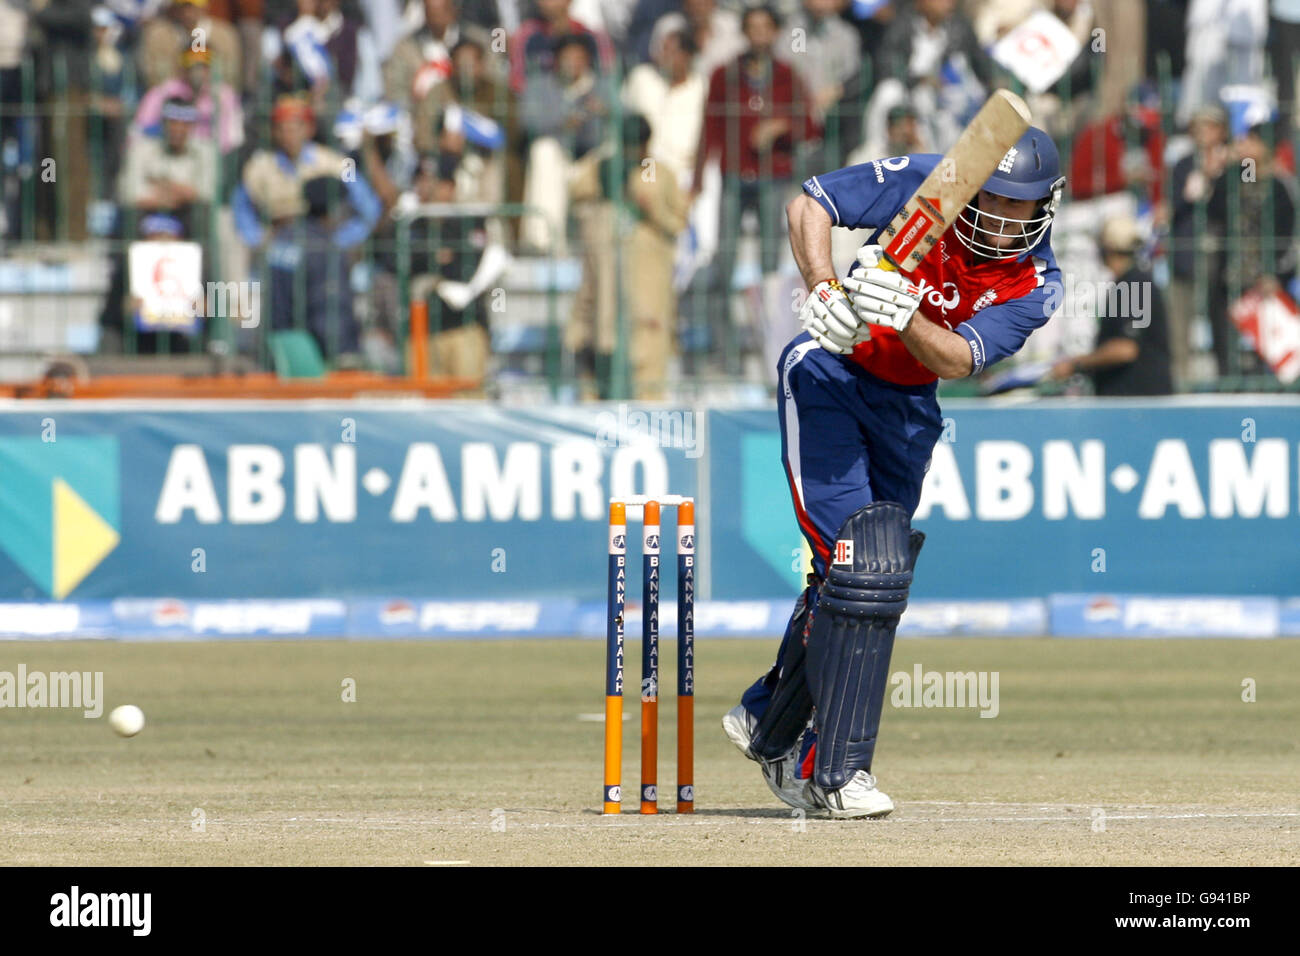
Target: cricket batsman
859 420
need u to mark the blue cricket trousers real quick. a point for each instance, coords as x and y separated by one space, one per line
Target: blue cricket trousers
848 438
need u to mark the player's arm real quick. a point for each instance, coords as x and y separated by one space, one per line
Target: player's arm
810 239
865 196
886 297
1001 329
826 313
855 197
943 352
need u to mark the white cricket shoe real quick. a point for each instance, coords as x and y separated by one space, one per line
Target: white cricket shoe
857 798
780 775
740 725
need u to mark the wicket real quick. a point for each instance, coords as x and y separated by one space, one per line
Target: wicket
650 652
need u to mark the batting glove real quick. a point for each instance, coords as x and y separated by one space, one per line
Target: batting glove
881 296
828 317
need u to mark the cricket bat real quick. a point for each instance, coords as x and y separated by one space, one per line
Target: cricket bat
954 181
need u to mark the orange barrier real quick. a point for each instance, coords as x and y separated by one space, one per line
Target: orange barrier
419 339
255 385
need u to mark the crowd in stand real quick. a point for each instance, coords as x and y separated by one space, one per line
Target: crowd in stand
656 142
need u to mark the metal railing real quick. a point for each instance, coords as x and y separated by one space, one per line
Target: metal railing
47 215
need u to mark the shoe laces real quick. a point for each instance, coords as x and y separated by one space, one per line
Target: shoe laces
862 780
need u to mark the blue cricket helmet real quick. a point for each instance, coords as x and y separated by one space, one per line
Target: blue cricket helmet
1031 169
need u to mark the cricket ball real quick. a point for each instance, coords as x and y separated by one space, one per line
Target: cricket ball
127 720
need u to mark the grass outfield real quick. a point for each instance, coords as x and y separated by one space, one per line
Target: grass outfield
486 752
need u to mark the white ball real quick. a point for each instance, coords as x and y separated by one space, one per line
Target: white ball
127 720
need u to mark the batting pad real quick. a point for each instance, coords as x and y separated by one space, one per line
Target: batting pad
852 636
787 715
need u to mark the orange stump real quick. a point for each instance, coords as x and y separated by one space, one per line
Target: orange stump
614 658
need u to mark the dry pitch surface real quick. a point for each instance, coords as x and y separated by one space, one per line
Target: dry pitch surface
488 752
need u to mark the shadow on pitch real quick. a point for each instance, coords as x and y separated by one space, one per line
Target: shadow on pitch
766 813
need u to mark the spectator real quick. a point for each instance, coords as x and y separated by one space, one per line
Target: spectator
454 257
1123 151
217 107
563 114
309 273
1225 46
475 116
871 18
1255 208
1059 109
13 40
1166 39
1284 56
642 25
902 135
119 321
172 174
659 207
930 55
823 50
246 17
921 41
108 92
670 95
318 52
755 114
422 60
271 189
897 134
379 141
535 49
342 26
607 17
186 25
717 33
490 14
1192 178
63 85
1131 356
592 331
